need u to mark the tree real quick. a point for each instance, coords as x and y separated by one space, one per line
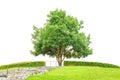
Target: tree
61 37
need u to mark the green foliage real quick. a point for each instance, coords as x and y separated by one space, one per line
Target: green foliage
79 73
80 63
23 64
61 36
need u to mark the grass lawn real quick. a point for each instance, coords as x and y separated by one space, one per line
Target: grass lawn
79 73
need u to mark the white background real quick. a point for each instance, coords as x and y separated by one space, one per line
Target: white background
101 19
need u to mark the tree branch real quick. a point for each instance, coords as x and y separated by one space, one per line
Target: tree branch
67 52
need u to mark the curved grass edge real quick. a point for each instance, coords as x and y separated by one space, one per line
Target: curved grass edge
23 64
83 63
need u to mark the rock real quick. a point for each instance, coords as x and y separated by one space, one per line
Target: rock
23 73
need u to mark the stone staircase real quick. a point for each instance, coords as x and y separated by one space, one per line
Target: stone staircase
21 74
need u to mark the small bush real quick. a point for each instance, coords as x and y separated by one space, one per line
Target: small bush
23 64
81 63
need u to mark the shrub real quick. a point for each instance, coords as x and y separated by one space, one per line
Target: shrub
82 63
23 64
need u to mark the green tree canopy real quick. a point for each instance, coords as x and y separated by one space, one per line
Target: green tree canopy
61 37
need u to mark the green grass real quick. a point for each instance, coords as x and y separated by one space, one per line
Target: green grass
79 73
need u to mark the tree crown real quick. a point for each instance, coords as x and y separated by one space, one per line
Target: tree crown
61 35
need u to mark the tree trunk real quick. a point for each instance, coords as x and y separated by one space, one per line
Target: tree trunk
59 60
59 55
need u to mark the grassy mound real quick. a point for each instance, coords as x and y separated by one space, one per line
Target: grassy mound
80 63
79 73
23 64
